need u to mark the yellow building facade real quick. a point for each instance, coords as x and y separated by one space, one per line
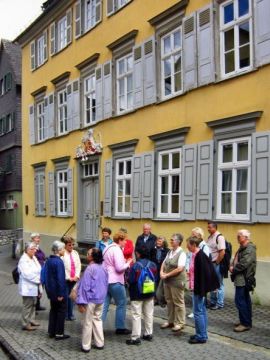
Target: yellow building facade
175 94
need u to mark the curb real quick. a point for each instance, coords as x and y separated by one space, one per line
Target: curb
11 352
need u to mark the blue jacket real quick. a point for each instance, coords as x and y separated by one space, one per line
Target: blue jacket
55 280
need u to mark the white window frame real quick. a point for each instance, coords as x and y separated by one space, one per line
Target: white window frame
62 111
235 25
40 50
62 33
40 121
124 77
90 14
40 192
169 173
171 55
90 94
62 192
91 169
123 178
234 166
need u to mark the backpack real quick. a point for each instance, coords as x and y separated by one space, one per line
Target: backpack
16 275
225 262
146 280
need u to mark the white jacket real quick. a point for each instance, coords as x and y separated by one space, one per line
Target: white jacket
67 263
29 269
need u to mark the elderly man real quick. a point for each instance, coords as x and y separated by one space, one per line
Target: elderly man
147 239
41 257
243 271
217 246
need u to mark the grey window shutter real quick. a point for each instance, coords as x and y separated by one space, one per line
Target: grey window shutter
98 11
69 107
189 52
52 39
45 49
110 7
260 177
108 188
138 76
42 205
36 185
70 192
205 180
51 193
13 119
51 116
107 89
32 124
149 71
205 41
136 186
33 55
69 26
76 105
46 116
262 32
99 94
78 21
188 182
147 183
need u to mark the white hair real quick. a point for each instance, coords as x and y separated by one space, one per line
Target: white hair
57 246
245 233
198 231
30 245
35 234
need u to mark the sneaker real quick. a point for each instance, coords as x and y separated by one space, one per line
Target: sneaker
191 316
196 341
215 307
241 328
147 337
166 325
61 337
122 331
133 342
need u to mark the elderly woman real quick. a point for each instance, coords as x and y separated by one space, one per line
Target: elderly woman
29 270
40 255
91 293
55 286
116 266
73 268
173 273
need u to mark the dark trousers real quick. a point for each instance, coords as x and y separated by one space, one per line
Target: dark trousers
57 317
243 303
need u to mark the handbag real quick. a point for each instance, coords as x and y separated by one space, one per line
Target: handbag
160 294
73 293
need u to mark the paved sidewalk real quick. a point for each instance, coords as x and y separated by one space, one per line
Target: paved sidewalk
37 345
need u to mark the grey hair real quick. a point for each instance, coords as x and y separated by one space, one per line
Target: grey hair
35 234
57 246
245 233
178 237
198 231
29 245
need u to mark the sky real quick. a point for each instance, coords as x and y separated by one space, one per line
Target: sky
17 15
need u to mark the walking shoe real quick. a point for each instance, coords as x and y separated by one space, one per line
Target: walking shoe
85 351
196 341
241 328
122 331
215 307
147 337
166 325
133 342
61 337
177 328
29 328
97 347
34 323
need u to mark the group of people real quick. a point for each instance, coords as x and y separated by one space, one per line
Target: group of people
150 272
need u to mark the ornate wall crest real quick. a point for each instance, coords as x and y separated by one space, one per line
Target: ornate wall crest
89 146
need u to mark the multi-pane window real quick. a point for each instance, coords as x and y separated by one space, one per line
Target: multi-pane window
171 63
41 121
62 33
91 15
234 167
169 180
40 192
62 112
90 100
236 36
62 192
123 187
124 76
40 50
90 170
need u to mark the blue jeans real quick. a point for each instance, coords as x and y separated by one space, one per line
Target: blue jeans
200 317
243 303
217 297
70 304
116 291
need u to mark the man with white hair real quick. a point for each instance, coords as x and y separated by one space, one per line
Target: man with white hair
147 239
41 257
243 271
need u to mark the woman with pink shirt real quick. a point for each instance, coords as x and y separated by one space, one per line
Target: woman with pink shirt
116 266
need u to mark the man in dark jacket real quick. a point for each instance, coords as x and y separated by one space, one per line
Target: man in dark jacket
142 302
40 255
55 285
243 272
147 239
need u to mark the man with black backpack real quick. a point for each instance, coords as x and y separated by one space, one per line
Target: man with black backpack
217 246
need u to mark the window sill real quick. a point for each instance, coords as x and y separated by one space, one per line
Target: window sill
229 221
88 30
234 75
59 51
123 114
42 216
161 101
39 66
168 219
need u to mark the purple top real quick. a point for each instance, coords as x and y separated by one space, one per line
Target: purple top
93 286
40 256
